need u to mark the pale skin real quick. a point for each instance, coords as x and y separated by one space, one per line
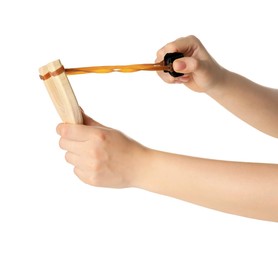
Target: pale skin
105 157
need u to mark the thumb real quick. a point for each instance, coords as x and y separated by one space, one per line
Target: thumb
88 120
186 65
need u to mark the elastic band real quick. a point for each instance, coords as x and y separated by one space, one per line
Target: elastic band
166 65
46 76
53 73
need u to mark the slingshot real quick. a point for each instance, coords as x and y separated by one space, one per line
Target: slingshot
60 91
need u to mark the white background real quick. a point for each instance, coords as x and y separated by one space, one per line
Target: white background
45 211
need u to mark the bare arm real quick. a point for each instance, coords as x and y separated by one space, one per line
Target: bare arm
105 157
255 104
246 189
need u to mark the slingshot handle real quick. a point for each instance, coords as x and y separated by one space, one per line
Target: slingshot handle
61 93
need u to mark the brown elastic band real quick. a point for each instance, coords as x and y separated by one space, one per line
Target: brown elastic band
118 68
46 76
107 69
58 71
53 73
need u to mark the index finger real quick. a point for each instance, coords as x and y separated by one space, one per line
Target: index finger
186 45
74 132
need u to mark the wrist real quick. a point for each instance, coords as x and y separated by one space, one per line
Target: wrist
153 169
220 85
141 167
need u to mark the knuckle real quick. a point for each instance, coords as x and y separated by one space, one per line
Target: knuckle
160 53
98 135
77 172
98 166
94 182
171 47
101 135
81 175
171 80
98 161
64 130
88 177
94 179
94 152
196 41
95 167
61 143
68 157
166 77
192 38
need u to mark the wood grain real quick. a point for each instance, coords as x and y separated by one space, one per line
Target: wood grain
61 94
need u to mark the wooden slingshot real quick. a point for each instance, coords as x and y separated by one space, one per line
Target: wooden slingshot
61 93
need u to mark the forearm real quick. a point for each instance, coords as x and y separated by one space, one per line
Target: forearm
247 189
253 103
